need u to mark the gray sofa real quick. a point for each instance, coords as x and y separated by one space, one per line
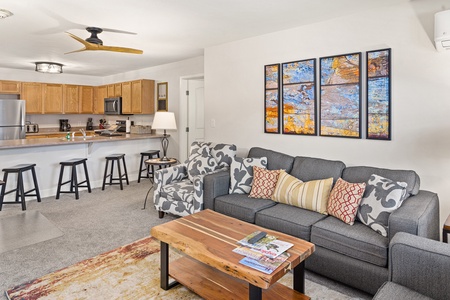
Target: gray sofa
418 269
354 255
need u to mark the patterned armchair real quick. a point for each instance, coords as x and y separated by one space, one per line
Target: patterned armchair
179 189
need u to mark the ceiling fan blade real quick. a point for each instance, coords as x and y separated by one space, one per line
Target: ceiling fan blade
78 39
118 31
82 49
119 49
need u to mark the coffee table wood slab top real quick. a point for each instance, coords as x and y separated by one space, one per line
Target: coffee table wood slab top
208 238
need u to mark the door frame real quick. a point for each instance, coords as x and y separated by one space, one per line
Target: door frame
183 122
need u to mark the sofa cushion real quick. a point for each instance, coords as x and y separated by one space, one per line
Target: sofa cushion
344 200
357 241
392 290
383 196
312 195
264 182
362 174
288 219
308 168
241 172
200 162
240 206
275 160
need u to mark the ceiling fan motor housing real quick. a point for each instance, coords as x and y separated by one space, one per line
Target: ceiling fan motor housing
93 38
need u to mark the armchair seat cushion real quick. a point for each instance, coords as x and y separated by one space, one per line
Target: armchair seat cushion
179 191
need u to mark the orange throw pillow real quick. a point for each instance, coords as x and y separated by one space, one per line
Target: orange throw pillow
344 200
264 182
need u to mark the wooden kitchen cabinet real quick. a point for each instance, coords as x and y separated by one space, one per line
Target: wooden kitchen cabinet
111 90
86 96
31 92
101 92
117 89
10 87
52 96
143 96
126 98
71 99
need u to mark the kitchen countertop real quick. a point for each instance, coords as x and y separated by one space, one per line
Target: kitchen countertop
41 142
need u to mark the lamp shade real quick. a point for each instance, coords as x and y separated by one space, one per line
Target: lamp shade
164 120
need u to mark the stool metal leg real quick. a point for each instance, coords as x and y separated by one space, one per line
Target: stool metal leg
112 172
125 168
120 174
61 172
104 176
21 189
88 183
36 187
140 168
74 182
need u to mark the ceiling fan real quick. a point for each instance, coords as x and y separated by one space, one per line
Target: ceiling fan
94 43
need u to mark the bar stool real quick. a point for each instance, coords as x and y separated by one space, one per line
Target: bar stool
115 158
144 156
20 192
74 184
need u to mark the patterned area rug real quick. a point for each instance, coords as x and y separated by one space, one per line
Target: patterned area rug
128 272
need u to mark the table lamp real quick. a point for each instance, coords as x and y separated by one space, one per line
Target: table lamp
166 121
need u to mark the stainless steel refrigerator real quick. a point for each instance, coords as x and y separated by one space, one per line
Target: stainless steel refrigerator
12 119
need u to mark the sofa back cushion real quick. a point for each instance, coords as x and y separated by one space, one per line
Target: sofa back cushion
362 174
308 168
275 160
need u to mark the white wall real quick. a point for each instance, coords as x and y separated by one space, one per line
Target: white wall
234 92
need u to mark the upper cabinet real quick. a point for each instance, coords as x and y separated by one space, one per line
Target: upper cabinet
86 99
143 96
31 92
52 95
126 98
71 99
100 93
9 87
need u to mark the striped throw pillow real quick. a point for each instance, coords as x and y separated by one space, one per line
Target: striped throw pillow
312 195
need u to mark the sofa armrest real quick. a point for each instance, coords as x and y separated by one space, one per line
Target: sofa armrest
418 215
215 185
420 264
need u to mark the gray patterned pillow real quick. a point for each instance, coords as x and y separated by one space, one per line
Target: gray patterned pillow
381 198
241 173
223 154
200 162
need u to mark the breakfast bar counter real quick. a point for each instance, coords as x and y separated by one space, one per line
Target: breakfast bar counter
47 153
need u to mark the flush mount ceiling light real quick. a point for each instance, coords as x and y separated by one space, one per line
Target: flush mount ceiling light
5 13
48 67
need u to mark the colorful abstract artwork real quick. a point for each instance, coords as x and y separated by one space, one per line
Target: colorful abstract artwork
272 98
299 97
379 94
340 95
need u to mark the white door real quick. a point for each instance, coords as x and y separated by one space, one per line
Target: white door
195 112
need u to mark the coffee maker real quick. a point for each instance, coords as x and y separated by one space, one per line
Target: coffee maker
64 125
89 124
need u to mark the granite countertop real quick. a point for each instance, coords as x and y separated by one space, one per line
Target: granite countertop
41 142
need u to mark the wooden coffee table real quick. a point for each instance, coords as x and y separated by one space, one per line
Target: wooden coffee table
212 270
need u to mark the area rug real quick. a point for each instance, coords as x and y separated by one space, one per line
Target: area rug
24 229
128 272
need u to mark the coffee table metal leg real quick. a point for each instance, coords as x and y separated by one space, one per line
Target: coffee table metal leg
165 285
254 292
299 277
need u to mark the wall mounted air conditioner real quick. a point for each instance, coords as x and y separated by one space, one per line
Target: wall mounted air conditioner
442 30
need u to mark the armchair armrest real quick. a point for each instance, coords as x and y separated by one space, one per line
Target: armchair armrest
170 175
418 215
215 185
420 264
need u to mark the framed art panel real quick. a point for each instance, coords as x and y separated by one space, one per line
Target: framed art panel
340 95
378 94
272 98
299 97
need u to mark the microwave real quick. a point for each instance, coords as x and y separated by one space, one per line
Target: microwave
113 106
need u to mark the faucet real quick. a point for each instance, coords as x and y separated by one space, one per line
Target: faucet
83 132
73 135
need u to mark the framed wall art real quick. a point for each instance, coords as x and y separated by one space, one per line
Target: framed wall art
378 94
162 99
340 95
299 97
272 98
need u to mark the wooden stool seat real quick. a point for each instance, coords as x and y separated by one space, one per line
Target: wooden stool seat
74 184
115 158
20 191
446 230
146 168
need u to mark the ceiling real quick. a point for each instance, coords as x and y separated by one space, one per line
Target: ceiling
166 30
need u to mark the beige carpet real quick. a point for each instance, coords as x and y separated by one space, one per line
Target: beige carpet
128 272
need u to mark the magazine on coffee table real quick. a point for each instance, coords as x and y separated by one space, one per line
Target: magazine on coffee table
268 246
265 264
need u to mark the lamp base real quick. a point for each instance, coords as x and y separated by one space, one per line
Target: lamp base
165 145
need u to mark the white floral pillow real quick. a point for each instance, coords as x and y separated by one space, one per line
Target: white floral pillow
381 198
241 173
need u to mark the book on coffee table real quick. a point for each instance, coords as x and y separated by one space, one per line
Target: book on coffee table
268 246
265 264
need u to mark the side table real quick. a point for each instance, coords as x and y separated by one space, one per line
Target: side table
446 230
157 162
